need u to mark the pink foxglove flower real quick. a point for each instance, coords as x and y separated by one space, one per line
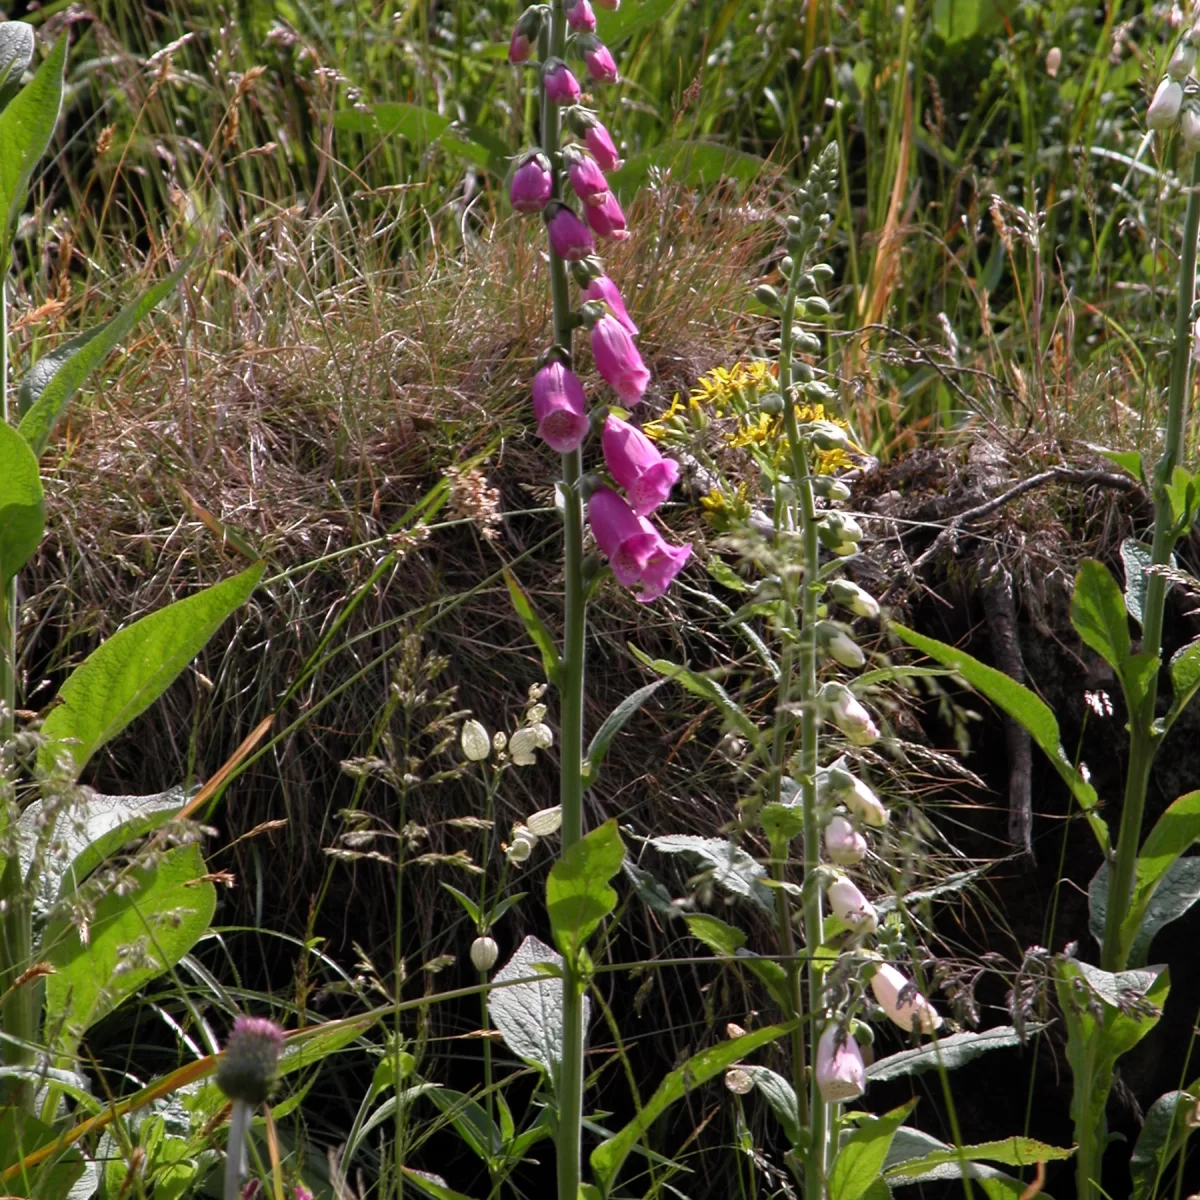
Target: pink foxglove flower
841 1072
606 219
634 462
601 65
531 184
637 552
900 1000
598 140
618 360
843 843
587 180
520 47
581 18
851 907
560 407
570 238
843 708
561 86
603 289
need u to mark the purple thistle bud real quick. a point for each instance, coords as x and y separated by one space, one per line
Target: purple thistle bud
587 180
601 65
606 218
618 360
560 407
570 238
581 18
247 1069
639 556
634 462
531 184
561 86
603 289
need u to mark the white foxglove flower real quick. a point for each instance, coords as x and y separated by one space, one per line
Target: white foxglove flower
1182 61
839 645
865 805
899 998
859 601
545 821
476 745
843 843
843 708
1164 108
1189 128
841 1073
851 907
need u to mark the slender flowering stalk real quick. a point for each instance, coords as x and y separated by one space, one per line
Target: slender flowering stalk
245 1074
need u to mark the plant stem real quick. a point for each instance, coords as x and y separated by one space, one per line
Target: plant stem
568 1137
1143 741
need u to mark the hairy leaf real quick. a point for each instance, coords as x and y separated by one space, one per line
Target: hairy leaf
951 1052
862 1155
22 502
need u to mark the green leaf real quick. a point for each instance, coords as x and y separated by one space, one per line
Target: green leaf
1185 679
613 27
471 907
1098 613
1182 491
690 163
1024 707
26 126
434 1186
16 53
1176 893
861 1157
1174 833
470 1120
1010 1152
702 686
578 896
125 675
1106 1015
1137 557
780 1097
1127 460
1166 1128
535 627
951 1052
613 724
729 942
22 1134
143 932
910 1146
22 502
726 864
422 127
54 379
608 1157
957 21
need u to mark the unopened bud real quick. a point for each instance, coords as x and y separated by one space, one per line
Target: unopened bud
476 745
1164 108
248 1066
1189 128
767 296
1182 61
830 488
856 599
1053 61
843 843
771 404
484 953
838 644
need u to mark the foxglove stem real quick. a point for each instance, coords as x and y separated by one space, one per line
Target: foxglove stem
569 1087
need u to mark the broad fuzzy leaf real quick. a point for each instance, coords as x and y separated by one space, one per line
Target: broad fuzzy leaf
22 502
950 1052
578 896
16 53
862 1155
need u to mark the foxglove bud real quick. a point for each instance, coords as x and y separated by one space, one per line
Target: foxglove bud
841 1073
844 710
830 488
532 184
839 533
247 1069
851 596
838 644
587 180
561 86
598 140
484 953
865 805
618 360
1164 108
1182 61
1189 127
570 238
476 745
843 843
606 219
634 462
601 66
900 1000
581 18
601 288
560 407
851 907
825 435
520 47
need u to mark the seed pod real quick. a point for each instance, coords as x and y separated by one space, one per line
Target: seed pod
484 953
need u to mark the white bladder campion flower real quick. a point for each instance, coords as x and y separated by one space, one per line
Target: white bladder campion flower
841 1073
545 821
851 907
900 1000
524 744
476 745
1164 108
484 953
521 846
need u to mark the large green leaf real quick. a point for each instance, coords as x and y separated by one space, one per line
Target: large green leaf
124 676
1098 613
1174 832
1167 1126
727 865
729 941
50 383
911 1147
704 687
608 1157
949 1052
1009 1152
1136 556
132 937
26 126
613 724
1024 707
539 634
1185 679
22 502
16 53
861 1156
615 25
22 1134
578 896
690 163
956 21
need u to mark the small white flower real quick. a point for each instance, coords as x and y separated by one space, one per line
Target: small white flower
484 953
739 1081
1164 108
521 846
839 645
524 744
545 821
851 907
476 745
843 708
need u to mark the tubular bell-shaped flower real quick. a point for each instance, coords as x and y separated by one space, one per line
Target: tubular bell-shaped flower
532 184
525 34
617 359
1164 108
570 238
639 556
844 709
900 1000
606 218
843 843
841 1072
587 180
635 463
586 126
601 66
581 18
560 407
851 907
602 289
560 84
